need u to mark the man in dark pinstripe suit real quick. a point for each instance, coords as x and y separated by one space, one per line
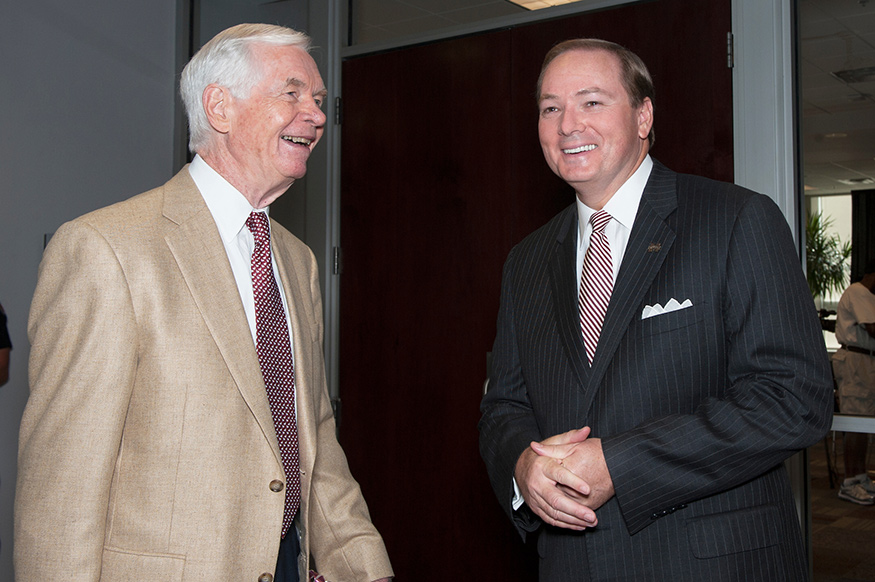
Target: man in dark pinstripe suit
660 455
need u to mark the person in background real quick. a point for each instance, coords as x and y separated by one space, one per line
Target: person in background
179 425
853 365
5 348
657 357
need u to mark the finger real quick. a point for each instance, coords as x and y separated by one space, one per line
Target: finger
560 511
558 472
556 507
572 436
555 451
548 472
560 504
579 435
573 494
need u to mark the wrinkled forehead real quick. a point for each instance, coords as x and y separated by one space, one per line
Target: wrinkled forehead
286 66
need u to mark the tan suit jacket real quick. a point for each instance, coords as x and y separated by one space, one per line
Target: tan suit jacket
147 447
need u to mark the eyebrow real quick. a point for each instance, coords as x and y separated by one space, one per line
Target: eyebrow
582 93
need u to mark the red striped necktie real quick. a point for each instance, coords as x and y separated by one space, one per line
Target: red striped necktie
596 283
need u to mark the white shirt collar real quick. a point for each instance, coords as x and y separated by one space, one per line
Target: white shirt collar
229 207
623 205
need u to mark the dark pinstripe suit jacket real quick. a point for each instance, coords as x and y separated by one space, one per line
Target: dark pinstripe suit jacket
697 408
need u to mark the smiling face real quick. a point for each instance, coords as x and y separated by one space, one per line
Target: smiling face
267 137
591 135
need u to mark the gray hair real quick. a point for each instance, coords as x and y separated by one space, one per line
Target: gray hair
226 60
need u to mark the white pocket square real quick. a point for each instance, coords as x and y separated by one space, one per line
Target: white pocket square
672 305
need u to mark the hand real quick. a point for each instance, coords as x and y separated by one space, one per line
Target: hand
553 491
585 459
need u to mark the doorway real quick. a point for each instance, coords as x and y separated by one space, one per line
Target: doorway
442 174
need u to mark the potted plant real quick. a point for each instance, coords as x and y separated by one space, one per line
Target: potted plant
827 263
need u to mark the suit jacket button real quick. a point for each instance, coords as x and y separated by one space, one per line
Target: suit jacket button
276 486
265 577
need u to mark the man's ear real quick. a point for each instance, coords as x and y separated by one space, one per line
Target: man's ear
216 101
645 118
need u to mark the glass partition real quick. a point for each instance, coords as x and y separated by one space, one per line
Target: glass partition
836 80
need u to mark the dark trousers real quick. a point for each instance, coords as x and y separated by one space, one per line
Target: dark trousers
287 560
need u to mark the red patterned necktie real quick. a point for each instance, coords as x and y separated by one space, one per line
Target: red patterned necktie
275 356
596 283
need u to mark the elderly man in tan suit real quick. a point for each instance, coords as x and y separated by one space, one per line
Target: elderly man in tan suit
156 444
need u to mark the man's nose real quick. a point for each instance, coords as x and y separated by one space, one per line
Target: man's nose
571 122
314 114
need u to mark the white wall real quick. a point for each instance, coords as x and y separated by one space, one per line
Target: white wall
86 119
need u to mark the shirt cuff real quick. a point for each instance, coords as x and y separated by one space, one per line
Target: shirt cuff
518 500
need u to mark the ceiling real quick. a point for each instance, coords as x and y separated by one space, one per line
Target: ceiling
838 116
379 20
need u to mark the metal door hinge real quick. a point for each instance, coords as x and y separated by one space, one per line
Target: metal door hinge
338 111
337 262
337 408
730 50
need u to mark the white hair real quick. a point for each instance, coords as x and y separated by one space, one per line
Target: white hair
226 60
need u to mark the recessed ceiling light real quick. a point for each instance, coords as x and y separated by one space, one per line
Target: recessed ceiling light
538 4
861 75
857 181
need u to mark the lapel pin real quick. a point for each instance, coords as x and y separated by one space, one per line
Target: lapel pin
654 247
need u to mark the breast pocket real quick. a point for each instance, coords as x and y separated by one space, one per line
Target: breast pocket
672 320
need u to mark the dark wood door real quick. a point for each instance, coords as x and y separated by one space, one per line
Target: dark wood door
442 174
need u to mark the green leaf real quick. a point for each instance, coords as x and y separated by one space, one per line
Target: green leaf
826 256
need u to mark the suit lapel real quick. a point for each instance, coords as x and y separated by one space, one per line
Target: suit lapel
649 244
303 343
564 289
195 243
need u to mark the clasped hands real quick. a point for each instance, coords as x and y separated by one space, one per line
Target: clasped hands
564 479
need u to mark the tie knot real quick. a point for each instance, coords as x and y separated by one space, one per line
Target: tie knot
599 220
257 223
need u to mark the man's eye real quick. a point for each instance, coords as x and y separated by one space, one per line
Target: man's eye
547 110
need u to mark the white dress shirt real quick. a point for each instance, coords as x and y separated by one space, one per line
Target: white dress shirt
622 206
230 210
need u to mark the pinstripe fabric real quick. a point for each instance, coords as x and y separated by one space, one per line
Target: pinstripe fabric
696 408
